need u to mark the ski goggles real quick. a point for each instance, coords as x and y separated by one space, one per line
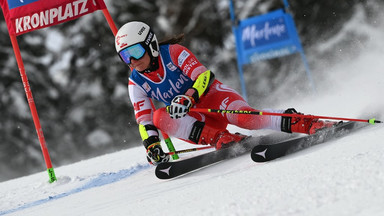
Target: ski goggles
136 51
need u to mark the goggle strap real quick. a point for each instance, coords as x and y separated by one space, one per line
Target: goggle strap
148 38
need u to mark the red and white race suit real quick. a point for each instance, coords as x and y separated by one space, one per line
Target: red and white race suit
143 86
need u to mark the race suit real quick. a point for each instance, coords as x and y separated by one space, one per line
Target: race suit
178 69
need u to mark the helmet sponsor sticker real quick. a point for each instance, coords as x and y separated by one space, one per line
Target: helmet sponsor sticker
118 40
141 31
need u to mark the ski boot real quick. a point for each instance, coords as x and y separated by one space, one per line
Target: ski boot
303 125
208 135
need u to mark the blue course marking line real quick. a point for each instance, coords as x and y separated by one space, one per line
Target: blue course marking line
101 180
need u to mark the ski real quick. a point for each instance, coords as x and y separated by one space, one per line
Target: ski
261 148
268 152
170 170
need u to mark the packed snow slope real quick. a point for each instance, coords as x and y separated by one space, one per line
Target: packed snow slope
341 177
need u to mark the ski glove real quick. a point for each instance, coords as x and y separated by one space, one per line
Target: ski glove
180 106
155 153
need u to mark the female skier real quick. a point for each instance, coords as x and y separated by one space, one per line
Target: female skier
170 73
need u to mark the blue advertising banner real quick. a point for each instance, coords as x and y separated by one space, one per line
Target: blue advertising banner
268 36
264 37
18 3
262 33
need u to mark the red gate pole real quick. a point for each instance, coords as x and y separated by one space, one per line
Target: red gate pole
32 107
167 139
110 21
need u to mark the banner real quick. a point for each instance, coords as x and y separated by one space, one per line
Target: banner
264 37
24 16
268 36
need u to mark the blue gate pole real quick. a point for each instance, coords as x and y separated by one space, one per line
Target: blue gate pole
239 61
312 83
241 74
286 4
303 57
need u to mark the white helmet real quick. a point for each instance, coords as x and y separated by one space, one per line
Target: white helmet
134 33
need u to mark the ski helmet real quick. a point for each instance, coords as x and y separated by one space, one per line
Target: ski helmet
136 32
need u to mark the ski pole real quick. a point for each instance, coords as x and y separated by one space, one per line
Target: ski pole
371 121
190 150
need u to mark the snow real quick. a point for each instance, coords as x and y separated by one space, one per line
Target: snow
340 177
